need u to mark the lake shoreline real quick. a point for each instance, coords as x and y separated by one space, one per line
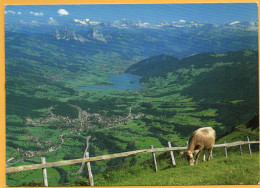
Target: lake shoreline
122 81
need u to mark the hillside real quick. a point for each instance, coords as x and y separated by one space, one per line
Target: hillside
235 169
240 132
220 171
154 66
226 82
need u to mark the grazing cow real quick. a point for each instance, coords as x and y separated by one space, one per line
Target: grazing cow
201 139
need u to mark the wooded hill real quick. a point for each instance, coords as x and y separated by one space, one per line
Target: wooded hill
227 82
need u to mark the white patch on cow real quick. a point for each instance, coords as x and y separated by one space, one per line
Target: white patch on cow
204 128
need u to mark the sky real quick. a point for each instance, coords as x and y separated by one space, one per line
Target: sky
215 13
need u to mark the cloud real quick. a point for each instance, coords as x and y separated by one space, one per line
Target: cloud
52 21
145 24
63 12
182 21
36 13
233 23
10 12
94 23
34 23
19 13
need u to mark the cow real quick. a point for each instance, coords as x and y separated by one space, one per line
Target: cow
201 139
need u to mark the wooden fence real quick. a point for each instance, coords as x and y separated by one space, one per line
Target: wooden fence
88 159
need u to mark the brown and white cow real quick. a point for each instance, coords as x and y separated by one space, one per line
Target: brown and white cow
201 139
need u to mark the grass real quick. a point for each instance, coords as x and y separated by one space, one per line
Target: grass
235 170
33 176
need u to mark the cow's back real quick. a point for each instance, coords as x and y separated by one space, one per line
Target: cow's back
204 137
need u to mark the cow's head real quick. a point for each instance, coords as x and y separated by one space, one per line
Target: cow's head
189 156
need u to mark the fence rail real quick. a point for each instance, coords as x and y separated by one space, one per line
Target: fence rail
112 156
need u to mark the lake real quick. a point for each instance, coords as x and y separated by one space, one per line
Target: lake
118 82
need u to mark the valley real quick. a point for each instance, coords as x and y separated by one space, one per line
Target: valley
126 88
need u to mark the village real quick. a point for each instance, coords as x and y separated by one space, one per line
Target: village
84 122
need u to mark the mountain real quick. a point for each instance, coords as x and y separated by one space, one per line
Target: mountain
180 39
240 132
229 72
70 34
128 24
225 82
154 66
96 35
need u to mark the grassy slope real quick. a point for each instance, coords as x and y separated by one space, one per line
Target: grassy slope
221 170
234 169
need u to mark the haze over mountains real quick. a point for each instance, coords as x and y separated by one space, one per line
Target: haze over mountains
124 23
180 39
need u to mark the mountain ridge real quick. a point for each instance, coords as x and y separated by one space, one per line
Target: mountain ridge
201 60
226 82
127 24
149 66
147 42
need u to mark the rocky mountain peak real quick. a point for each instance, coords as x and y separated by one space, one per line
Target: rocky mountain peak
69 34
96 35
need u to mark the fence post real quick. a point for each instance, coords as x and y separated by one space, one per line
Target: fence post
154 159
240 146
226 149
172 155
84 155
249 147
44 173
91 180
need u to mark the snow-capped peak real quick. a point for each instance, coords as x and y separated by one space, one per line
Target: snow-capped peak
83 22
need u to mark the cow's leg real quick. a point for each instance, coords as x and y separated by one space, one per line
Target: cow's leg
197 156
210 154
